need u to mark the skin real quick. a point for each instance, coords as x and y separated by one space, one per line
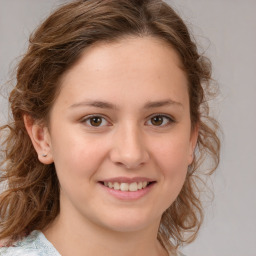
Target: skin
129 75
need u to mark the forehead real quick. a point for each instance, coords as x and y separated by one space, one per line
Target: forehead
149 51
144 66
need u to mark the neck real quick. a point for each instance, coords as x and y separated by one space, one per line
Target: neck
79 238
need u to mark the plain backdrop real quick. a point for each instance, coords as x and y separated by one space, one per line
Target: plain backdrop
226 30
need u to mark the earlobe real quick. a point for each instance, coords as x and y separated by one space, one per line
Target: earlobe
40 139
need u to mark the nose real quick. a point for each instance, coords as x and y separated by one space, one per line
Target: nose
129 149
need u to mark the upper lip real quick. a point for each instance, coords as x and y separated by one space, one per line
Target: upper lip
128 180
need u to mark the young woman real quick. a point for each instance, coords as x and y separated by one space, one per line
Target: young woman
110 126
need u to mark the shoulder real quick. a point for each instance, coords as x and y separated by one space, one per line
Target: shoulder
17 251
33 245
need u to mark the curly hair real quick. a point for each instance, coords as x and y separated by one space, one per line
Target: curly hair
31 200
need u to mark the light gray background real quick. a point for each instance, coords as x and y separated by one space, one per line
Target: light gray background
227 30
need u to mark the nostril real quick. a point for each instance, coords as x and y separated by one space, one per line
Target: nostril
129 156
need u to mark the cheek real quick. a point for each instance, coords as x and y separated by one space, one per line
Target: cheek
173 153
171 163
76 155
76 161
172 160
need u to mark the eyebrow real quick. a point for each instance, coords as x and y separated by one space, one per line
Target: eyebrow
162 103
108 105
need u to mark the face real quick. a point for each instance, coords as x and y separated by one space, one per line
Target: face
120 134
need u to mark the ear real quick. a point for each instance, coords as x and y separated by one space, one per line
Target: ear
193 141
40 137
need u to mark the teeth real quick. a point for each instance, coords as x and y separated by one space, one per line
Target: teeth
135 186
124 187
116 186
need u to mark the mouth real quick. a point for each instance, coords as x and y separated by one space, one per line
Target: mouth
127 186
128 189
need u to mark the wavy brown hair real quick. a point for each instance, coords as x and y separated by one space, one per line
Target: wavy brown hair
31 200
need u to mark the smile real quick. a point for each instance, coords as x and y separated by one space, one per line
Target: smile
128 189
132 187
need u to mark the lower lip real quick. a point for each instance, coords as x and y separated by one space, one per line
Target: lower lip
128 195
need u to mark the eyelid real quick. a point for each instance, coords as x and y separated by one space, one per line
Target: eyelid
170 118
88 117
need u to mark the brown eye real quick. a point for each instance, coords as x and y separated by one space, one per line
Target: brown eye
160 120
95 121
157 120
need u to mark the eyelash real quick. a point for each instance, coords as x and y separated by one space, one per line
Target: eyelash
168 120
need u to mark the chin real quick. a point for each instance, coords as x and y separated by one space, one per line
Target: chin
128 222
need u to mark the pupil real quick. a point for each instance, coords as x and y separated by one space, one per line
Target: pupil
95 121
157 120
